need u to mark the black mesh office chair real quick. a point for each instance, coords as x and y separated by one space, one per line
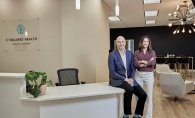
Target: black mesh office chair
68 76
111 50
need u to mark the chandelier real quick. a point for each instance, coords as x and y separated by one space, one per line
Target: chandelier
183 17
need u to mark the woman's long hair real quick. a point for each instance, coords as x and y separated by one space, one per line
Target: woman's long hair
140 47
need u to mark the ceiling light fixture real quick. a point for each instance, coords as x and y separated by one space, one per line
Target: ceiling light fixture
113 18
78 4
151 13
150 21
151 1
184 18
117 8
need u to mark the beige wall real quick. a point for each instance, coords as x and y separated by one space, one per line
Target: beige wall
49 58
102 42
69 38
85 39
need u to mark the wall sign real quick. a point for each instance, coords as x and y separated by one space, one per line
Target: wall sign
21 35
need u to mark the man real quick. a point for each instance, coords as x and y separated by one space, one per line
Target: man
122 71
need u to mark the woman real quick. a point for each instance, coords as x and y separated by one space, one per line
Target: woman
144 60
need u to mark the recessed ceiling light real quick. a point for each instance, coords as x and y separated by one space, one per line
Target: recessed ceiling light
150 21
151 13
113 18
151 1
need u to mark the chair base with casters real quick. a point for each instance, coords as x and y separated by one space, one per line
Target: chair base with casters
176 98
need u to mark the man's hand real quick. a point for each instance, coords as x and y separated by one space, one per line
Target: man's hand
129 81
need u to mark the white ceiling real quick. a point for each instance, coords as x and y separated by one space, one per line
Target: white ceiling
132 12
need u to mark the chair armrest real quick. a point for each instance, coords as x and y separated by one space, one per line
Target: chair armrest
57 84
83 82
188 86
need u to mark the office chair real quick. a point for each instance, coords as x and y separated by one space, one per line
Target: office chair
111 50
68 76
173 84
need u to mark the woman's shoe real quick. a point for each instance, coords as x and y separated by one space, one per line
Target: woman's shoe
136 116
126 116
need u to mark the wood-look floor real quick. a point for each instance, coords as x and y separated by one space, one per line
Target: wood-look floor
165 107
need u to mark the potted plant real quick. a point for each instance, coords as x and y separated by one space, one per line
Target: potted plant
184 77
31 78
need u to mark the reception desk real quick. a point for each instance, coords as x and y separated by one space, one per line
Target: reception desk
97 100
12 86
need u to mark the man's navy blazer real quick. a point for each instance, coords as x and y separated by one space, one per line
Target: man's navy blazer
117 69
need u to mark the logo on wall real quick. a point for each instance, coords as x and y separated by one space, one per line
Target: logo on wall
20 29
16 37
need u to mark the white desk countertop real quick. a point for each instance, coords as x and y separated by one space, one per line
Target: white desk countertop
12 75
95 97
74 91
